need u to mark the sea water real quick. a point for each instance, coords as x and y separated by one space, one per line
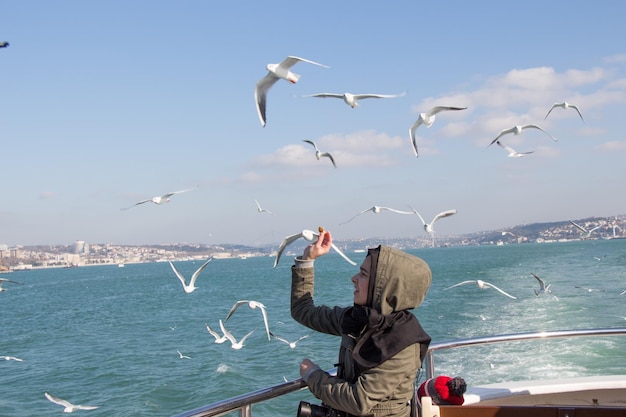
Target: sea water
109 336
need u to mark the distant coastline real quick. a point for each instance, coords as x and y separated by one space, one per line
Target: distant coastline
82 254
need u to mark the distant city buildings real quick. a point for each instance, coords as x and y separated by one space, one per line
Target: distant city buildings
81 253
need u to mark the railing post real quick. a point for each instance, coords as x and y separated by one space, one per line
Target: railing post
246 411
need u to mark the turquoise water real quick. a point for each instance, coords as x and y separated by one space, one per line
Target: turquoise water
109 336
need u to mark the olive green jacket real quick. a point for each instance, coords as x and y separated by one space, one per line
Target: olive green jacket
402 281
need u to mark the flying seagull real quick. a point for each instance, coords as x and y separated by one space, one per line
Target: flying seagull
253 305
274 73
543 288
352 99
428 227
4 44
11 358
216 335
376 210
587 233
512 152
261 210
161 199
319 154
180 355
3 280
565 105
234 343
192 283
307 235
516 130
69 407
482 285
427 119
292 345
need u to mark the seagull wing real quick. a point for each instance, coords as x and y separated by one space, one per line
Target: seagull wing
279 338
260 95
178 274
290 61
286 242
329 156
85 407
215 334
198 271
443 214
577 111
461 283
418 215
227 334
178 192
326 95
539 127
311 142
412 130
502 133
136 204
364 96
438 109
579 226
332 245
356 215
243 339
267 326
9 280
542 285
498 289
550 111
58 400
235 307
396 211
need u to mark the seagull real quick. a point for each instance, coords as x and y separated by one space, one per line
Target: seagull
517 130
234 344
69 407
292 345
216 335
543 288
565 105
11 358
482 285
308 235
3 280
585 231
192 283
261 210
376 210
428 227
253 305
319 154
352 99
427 119
180 355
162 199
275 72
512 152
4 44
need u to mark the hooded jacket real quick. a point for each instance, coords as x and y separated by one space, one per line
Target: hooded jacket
401 282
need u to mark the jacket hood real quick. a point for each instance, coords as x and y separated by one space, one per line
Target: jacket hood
401 281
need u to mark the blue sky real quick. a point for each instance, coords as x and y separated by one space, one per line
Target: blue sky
104 104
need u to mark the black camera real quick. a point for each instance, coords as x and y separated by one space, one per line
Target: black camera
306 409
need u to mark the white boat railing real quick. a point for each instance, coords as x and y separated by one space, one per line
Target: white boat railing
243 403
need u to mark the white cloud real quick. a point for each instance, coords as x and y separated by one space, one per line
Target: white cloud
612 146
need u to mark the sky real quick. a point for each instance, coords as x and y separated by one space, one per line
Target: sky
105 104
